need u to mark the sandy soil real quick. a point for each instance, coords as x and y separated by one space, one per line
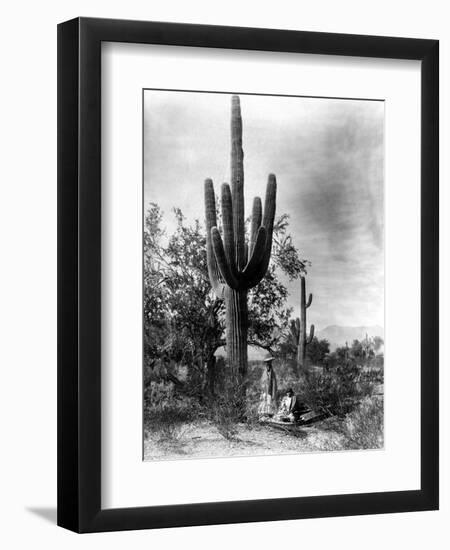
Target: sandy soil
203 440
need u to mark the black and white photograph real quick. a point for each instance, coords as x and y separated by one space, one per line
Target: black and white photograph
263 274
226 267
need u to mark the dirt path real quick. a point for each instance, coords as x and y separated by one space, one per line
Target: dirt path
203 440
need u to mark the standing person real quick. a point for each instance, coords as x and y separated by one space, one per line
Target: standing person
268 405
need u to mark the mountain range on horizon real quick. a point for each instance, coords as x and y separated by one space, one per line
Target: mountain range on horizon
335 334
339 335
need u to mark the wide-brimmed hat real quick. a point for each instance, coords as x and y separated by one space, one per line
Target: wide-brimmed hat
268 357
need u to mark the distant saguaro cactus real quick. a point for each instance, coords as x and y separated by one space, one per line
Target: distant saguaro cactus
233 265
298 327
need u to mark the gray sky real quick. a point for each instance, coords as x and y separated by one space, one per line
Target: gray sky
327 155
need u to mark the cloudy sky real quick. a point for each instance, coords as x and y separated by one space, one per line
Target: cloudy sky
327 155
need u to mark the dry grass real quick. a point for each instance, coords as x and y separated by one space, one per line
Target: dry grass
363 427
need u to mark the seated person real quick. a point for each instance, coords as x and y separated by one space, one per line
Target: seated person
290 408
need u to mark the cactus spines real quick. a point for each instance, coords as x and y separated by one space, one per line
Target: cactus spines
298 327
233 265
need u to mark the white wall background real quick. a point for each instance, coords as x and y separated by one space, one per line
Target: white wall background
28 273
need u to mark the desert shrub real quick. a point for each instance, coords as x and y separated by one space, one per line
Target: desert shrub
168 424
223 418
166 413
250 414
373 375
365 387
227 409
337 390
231 405
363 427
287 378
323 392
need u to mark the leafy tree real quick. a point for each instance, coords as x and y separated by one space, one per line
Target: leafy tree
268 315
176 279
155 318
285 254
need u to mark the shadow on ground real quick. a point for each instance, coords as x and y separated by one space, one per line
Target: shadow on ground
48 514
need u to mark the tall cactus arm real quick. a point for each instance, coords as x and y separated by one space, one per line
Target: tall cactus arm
237 181
210 208
228 231
210 204
221 259
311 335
308 303
258 253
268 220
270 204
255 223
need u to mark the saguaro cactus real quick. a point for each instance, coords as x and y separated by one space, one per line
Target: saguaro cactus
234 266
298 327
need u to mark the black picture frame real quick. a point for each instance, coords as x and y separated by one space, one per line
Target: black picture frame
79 274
